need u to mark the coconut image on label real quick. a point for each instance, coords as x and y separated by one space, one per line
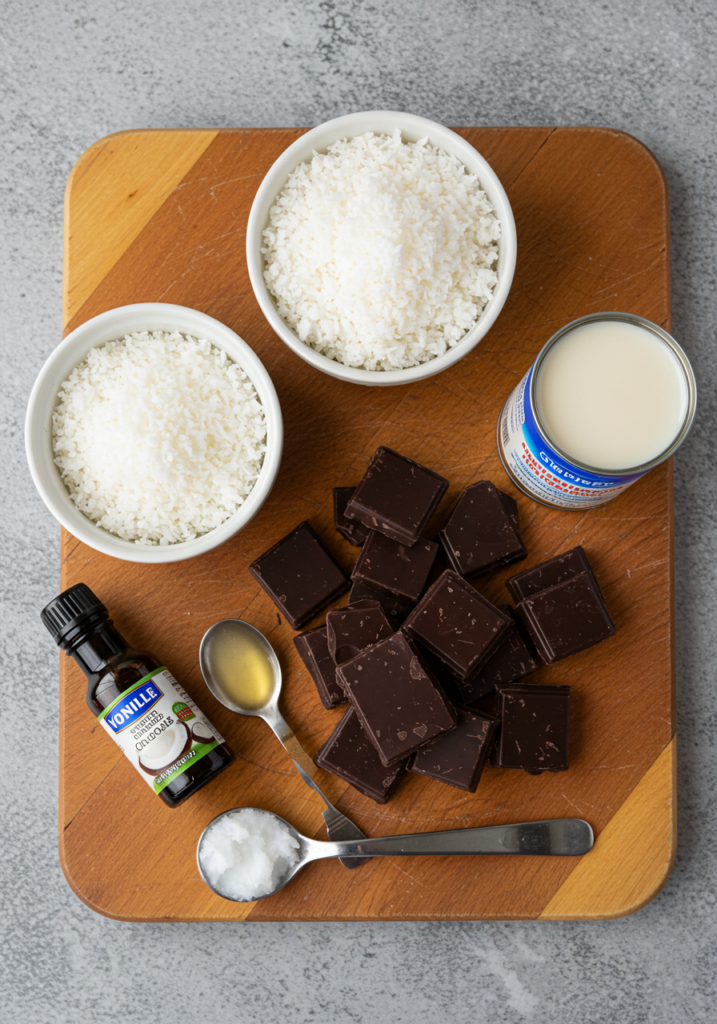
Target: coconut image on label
201 734
166 748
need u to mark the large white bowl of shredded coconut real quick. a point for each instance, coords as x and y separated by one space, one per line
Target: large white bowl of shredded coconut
381 247
153 433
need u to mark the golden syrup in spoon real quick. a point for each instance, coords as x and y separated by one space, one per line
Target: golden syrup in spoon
242 666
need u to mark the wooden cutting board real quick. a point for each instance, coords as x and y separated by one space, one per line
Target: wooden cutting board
161 216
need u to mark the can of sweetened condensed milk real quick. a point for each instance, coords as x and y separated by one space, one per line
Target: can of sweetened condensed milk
610 396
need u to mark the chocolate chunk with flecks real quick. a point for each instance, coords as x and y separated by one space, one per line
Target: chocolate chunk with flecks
400 705
396 496
511 508
548 574
534 728
299 575
396 568
482 533
395 608
458 624
459 756
351 630
349 754
511 660
354 531
566 618
313 650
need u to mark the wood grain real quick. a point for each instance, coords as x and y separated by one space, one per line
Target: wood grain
640 838
591 213
113 190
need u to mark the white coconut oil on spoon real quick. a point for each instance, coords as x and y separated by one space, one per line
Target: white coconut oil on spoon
247 853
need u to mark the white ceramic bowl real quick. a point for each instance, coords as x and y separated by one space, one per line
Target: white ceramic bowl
115 323
413 128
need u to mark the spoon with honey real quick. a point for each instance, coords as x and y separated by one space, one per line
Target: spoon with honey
241 669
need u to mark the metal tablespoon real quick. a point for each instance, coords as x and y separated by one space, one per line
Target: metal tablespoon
559 837
241 669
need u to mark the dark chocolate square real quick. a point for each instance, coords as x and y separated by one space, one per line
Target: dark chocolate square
548 574
511 660
299 575
458 624
534 728
349 754
313 650
354 531
482 533
395 608
351 630
400 570
397 496
566 618
400 705
459 756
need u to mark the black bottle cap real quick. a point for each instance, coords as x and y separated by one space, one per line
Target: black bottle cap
71 613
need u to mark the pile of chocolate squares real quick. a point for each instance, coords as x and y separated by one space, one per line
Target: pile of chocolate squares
429 666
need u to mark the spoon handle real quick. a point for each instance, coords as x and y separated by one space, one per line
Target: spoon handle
560 837
297 753
338 827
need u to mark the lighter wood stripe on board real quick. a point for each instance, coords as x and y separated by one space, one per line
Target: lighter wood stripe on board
632 857
132 175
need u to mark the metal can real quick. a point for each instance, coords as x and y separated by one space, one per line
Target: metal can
535 463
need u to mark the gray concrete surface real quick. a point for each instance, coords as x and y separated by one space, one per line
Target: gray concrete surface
72 72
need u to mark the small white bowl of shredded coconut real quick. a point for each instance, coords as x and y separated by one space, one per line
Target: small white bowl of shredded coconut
153 433
381 247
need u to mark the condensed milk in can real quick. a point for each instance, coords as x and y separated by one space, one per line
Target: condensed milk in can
610 396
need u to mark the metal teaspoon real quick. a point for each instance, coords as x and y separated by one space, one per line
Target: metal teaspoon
241 669
559 837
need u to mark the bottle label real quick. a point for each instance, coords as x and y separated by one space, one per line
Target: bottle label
538 470
157 725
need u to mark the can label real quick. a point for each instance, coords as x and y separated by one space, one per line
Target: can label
538 470
159 728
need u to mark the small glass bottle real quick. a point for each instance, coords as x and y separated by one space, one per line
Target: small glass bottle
137 700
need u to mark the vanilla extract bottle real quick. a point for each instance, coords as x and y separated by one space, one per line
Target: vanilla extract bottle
137 700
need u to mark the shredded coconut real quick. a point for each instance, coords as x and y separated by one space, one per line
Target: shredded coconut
159 437
245 854
379 253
